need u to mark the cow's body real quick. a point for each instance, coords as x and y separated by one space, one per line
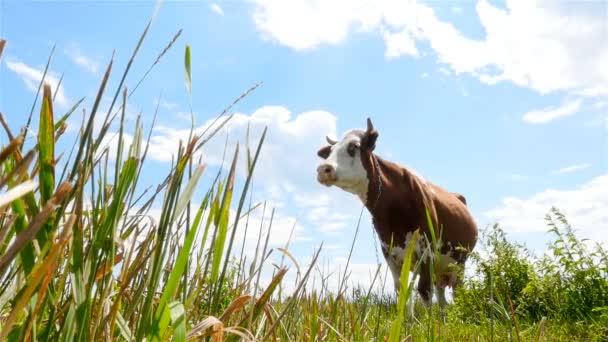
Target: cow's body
397 199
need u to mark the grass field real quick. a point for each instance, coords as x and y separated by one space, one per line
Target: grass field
80 258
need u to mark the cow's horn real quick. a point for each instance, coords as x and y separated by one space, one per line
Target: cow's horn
330 140
370 126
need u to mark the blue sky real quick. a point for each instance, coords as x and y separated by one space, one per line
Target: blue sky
505 102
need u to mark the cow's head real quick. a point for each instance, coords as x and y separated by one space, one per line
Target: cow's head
343 164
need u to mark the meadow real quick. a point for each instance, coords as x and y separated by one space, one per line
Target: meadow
83 258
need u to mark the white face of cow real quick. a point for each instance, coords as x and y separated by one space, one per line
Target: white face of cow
343 167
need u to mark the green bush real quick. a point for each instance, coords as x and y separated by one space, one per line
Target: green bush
568 284
573 279
499 277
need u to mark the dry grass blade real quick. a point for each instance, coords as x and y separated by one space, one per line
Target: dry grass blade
541 329
295 294
260 304
2 44
20 170
16 192
108 267
26 236
7 129
236 305
12 147
514 318
201 329
332 328
240 332
290 256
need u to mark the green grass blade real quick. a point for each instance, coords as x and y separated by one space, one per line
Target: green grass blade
404 290
167 217
188 191
123 326
178 317
181 263
46 69
222 223
105 125
46 151
188 69
242 201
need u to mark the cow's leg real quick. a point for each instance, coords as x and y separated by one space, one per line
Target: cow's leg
395 268
425 286
396 273
440 290
441 296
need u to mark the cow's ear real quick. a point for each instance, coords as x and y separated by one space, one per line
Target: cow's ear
370 136
324 152
369 140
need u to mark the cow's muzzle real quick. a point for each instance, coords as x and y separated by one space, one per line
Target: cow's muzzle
326 174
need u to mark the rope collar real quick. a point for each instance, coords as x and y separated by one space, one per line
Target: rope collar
376 165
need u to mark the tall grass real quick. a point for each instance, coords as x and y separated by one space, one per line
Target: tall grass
83 258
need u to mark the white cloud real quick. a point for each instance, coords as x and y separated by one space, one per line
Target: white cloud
571 168
86 63
546 115
600 104
330 210
32 76
584 207
304 25
286 169
542 45
399 44
216 9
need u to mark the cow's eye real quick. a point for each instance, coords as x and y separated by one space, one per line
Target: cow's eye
352 147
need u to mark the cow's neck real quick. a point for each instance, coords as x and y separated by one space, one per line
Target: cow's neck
376 181
386 207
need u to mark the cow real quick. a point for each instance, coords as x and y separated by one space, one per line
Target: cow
398 200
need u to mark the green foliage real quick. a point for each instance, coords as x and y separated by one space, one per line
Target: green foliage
568 284
499 276
572 281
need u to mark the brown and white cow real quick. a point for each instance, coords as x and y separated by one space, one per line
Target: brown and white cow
396 198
